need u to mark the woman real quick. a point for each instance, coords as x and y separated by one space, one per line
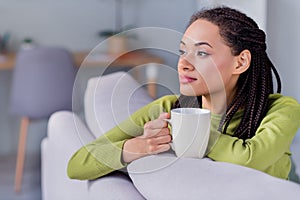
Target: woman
223 67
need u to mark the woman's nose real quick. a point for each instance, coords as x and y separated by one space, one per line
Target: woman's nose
185 65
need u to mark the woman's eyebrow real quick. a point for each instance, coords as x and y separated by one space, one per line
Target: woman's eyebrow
203 43
198 43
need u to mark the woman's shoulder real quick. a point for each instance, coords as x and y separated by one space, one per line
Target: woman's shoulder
279 99
286 104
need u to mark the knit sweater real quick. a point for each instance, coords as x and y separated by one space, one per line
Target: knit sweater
267 151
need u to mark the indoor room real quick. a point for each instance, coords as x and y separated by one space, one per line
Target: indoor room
72 70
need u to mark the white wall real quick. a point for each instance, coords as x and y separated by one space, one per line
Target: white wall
256 9
284 42
75 23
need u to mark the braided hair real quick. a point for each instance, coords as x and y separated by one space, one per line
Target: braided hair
240 32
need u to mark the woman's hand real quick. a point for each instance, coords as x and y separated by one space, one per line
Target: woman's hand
156 139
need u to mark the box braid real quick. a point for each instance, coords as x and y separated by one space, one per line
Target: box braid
254 86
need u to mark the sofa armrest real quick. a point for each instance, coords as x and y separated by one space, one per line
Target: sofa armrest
66 134
166 176
65 126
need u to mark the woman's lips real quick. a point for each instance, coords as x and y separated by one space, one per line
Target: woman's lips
186 79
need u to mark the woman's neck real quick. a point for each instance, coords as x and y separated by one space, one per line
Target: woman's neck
217 103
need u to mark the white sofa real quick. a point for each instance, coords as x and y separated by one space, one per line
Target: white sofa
109 100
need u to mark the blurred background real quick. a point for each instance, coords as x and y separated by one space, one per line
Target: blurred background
80 25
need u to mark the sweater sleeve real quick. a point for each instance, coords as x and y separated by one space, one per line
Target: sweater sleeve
104 155
271 141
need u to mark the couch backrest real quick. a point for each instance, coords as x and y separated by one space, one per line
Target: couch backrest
110 99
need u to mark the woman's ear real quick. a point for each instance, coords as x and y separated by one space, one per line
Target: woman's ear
243 62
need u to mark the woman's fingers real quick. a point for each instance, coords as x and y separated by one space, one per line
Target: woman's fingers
164 139
149 133
139 147
158 144
156 126
159 122
159 149
156 139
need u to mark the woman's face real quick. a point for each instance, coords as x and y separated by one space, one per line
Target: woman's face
206 65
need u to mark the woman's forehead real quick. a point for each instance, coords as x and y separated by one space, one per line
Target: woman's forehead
201 31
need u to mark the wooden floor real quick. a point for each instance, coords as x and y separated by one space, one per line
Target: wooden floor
31 187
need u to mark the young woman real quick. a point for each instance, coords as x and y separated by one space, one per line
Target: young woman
224 67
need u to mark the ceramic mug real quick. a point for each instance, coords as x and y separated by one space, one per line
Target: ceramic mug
190 128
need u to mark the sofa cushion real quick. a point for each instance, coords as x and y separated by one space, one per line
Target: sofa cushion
110 99
165 176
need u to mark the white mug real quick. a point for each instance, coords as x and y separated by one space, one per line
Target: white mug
190 128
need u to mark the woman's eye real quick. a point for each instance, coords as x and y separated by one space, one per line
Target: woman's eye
201 53
182 52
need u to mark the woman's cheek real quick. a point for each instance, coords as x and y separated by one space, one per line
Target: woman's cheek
211 79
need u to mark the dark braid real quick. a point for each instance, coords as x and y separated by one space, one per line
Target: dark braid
254 86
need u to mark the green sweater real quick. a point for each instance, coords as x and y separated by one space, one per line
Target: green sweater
267 151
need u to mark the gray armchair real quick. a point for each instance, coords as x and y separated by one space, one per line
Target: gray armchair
42 83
